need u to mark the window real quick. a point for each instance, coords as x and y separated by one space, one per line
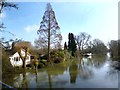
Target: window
16 58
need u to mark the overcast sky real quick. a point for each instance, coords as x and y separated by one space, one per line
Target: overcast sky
99 19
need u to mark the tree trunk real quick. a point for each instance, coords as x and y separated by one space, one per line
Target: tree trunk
50 81
49 45
49 39
2 5
24 64
80 52
79 48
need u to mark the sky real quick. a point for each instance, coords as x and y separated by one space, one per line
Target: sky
97 18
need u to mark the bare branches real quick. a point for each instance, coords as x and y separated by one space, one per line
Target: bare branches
4 4
2 26
49 22
49 31
82 40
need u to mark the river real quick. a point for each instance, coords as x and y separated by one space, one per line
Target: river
93 72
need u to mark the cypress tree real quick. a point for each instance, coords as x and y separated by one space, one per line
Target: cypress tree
71 44
65 46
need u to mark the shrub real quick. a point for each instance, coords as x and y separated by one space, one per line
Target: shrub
43 61
6 65
41 65
57 56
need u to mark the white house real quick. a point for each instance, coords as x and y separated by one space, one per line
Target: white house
17 61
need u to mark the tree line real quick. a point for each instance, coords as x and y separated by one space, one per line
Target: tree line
114 48
83 44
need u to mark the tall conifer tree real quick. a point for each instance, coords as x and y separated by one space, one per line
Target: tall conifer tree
49 31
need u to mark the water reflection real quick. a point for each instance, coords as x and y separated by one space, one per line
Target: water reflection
50 81
112 74
85 69
24 82
54 72
36 74
85 72
99 61
73 71
116 65
21 81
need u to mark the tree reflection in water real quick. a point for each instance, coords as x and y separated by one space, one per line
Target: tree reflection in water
36 74
85 70
99 61
73 71
54 71
21 81
24 83
50 81
112 72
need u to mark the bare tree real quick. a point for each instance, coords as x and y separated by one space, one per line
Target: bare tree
25 46
98 47
4 4
49 31
82 40
114 48
40 43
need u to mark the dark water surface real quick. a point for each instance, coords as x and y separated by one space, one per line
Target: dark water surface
95 72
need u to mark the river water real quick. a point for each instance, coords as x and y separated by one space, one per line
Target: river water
91 72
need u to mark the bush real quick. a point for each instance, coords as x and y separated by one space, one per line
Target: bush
57 56
6 65
41 65
43 61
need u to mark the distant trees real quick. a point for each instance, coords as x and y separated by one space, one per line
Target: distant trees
49 31
71 43
114 46
82 40
85 45
119 49
98 47
25 46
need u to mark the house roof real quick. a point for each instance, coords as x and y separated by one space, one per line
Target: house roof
22 52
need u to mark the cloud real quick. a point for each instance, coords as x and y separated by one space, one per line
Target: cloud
31 28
